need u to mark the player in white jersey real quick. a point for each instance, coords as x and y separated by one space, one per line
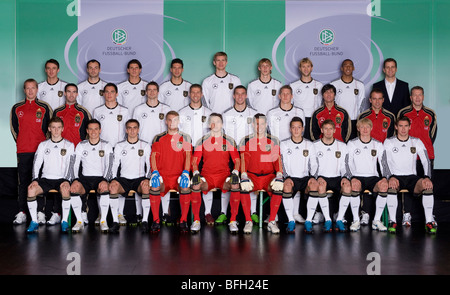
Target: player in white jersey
350 93
218 87
52 89
90 91
402 151
299 169
280 117
306 93
364 155
133 157
174 92
54 157
132 91
262 92
95 157
333 175
112 116
151 114
194 117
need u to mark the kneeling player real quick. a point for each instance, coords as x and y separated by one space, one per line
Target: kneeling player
401 152
364 152
215 151
54 156
300 168
261 169
170 163
132 156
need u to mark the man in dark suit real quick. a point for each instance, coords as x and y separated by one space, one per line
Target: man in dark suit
395 91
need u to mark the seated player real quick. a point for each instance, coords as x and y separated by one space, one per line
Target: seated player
94 156
261 169
402 151
300 169
132 161
54 156
333 175
170 165
215 150
364 152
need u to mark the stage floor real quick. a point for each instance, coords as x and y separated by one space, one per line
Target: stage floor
214 251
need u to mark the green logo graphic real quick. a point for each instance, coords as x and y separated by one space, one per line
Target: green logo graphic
119 36
326 37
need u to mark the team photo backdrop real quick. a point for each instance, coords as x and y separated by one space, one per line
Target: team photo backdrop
113 32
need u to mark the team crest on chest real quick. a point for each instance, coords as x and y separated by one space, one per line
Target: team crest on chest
77 118
101 153
305 153
39 113
274 92
140 152
413 149
203 119
373 153
315 91
119 118
185 93
63 152
230 86
224 147
60 93
161 116
100 92
337 154
249 120
142 92
338 119
356 91
426 121
385 123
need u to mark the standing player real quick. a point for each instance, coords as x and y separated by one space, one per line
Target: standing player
401 153
90 91
151 114
279 118
261 169
216 151
132 91
383 121
299 169
174 92
330 110
262 92
218 87
29 124
364 153
170 164
95 157
333 175
55 157
351 93
75 116
133 157
307 93
52 89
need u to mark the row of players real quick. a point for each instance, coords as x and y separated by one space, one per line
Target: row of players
383 126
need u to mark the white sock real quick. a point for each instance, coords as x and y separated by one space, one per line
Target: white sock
428 203
145 203
296 203
288 204
380 203
121 204
65 209
208 200
343 205
138 201
165 202
323 201
114 204
32 207
76 203
311 206
104 207
392 204
225 200
253 202
355 203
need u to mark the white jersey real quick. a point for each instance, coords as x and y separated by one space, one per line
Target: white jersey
218 92
90 95
263 96
133 159
194 122
332 158
402 156
132 95
237 124
52 94
307 96
113 122
279 120
298 158
350 96
94 159
57 159
175 96
152 120
364 156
